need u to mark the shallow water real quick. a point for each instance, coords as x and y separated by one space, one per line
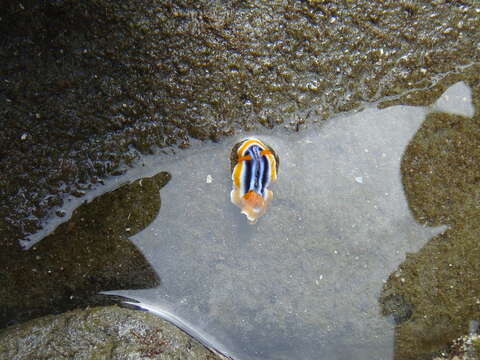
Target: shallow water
306 279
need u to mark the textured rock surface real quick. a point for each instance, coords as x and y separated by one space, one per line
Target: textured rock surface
306 279
88 254
85 86
440 283
100 333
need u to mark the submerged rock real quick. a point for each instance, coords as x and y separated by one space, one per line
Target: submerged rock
440 282
100 333
87 254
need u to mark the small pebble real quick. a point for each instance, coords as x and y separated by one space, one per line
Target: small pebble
60 213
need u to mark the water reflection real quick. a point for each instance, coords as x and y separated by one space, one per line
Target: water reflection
306 279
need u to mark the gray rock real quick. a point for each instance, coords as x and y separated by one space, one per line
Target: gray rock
100 333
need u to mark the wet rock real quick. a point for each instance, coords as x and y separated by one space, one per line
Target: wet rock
100 333
396 306
87 86
305 280
440 175
464 348
89 253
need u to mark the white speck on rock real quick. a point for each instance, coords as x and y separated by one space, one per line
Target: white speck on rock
209 179
24 136
359 179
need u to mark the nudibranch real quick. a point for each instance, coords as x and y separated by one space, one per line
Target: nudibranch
254 166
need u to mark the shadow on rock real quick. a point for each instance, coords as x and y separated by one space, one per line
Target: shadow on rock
88 254
435 292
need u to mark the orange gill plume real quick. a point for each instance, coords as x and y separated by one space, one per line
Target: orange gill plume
254 206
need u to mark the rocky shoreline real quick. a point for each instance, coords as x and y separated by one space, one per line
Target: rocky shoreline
87 87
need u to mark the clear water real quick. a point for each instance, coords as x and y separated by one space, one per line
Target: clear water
304 282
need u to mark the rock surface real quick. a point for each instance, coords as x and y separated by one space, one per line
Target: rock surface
101 333
88 254
86 86
440 283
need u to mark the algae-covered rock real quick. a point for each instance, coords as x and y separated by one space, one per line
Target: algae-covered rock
89 253
86 86
100 333
440 283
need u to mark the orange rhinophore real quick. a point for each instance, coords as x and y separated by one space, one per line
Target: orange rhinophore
254 167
